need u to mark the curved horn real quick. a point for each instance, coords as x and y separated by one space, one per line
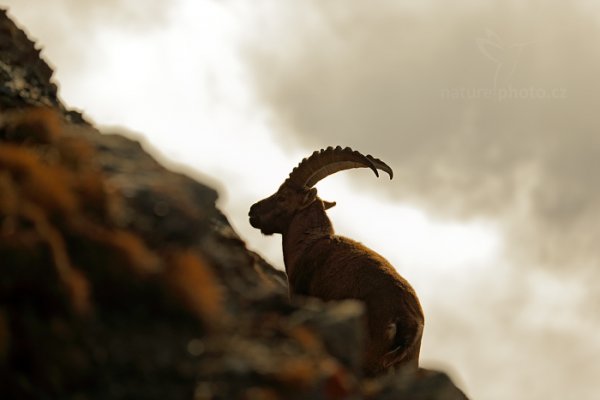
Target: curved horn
329 161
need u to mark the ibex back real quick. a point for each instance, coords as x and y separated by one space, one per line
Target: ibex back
330 267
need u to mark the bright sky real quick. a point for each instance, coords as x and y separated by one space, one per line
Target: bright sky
218 128
184 86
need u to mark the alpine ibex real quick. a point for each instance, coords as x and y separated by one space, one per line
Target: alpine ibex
330 267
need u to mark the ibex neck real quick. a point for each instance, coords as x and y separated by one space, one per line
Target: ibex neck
306 227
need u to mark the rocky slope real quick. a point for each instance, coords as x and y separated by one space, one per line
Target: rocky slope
121 279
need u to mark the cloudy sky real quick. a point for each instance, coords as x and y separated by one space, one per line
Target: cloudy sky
486 111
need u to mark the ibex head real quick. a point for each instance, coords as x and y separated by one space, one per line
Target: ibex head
274 214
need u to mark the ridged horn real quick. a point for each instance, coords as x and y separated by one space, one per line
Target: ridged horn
331 160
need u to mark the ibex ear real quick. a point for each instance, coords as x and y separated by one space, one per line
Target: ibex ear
328 204
309 198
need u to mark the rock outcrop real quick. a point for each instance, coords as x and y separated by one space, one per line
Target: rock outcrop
121 279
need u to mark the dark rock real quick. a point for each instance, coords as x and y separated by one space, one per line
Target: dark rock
341 327
25 77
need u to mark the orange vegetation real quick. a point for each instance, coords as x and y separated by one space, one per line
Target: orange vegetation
54 200
196 284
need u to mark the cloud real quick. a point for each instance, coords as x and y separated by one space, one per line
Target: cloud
484 110
85 15
67 29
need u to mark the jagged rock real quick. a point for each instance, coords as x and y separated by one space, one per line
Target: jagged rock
422 385
121 279
340 326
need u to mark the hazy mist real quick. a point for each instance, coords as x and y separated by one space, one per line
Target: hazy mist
483 109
